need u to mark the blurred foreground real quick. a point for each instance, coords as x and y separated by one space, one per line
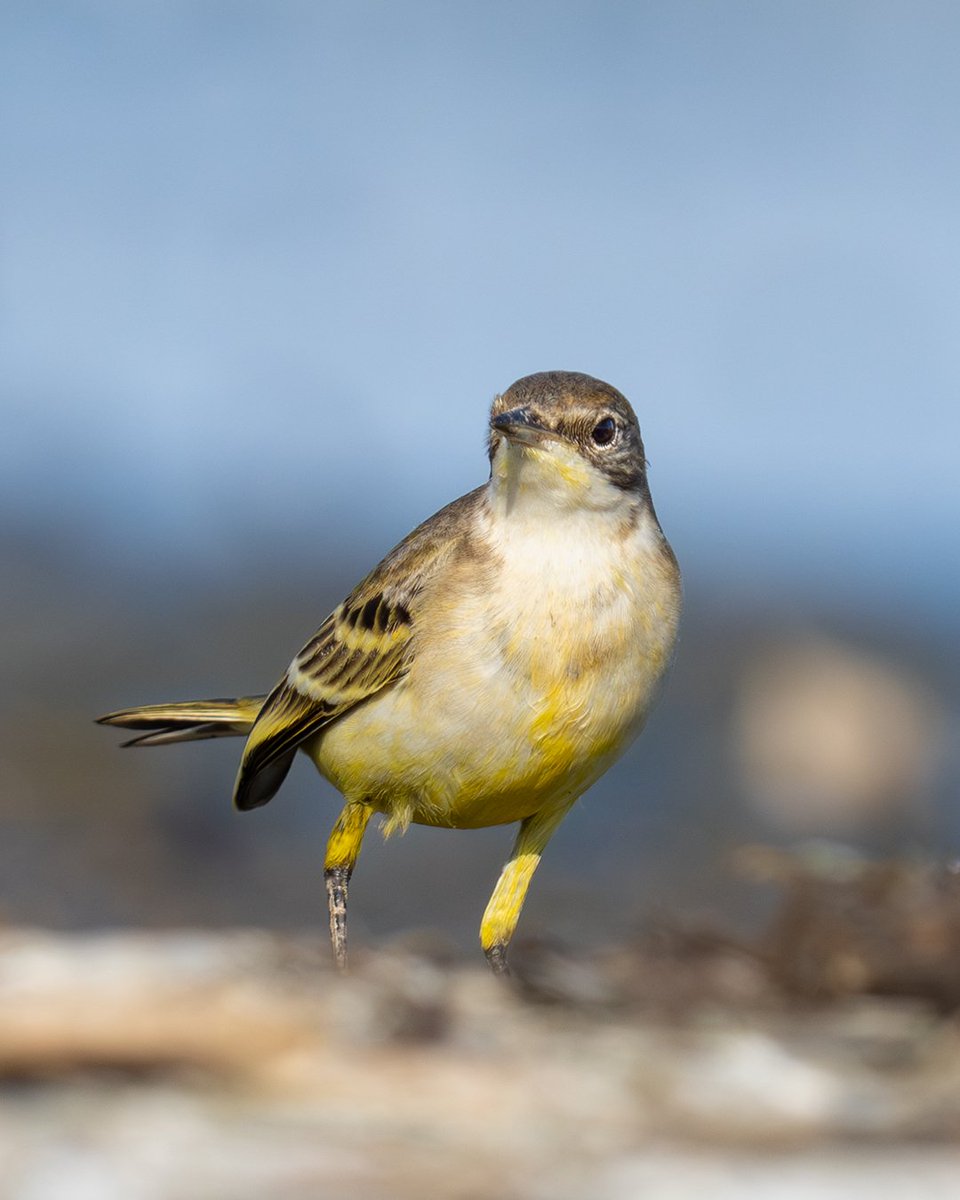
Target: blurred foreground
823 1059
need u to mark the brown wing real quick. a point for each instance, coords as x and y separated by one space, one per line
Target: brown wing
364 646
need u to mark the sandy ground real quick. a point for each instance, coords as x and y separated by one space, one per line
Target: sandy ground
228 1065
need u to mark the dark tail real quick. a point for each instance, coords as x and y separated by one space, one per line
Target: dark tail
187 721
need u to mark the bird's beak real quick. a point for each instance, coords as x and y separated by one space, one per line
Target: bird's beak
519 425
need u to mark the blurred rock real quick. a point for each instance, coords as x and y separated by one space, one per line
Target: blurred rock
849 926
667 971
237 1065
831 740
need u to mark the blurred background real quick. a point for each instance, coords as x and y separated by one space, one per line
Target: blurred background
262 269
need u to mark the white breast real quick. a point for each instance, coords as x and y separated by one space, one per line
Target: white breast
533 669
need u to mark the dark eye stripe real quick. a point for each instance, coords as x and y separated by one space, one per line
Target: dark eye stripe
604 431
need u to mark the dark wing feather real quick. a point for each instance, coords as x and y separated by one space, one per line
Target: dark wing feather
363 646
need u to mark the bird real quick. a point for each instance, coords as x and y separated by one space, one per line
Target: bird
492 667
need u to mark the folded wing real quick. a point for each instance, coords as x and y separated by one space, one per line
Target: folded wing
366 645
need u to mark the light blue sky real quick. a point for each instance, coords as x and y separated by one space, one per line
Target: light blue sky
264 265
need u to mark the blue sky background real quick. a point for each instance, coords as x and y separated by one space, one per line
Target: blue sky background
264 265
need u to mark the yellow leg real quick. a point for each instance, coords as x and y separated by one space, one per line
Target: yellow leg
343 849
503 911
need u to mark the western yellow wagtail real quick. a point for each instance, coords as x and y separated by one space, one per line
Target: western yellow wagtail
496 662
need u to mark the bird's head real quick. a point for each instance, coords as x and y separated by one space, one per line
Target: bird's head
566 440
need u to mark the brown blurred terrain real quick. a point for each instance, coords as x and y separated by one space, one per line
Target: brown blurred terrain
821 1059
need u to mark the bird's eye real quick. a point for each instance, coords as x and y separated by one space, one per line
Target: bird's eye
604 431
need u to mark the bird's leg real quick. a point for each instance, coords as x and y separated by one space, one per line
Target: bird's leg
343 849
503 910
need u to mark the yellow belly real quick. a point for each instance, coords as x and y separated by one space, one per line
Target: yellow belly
514 702
436 770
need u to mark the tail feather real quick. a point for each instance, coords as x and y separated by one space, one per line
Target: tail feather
187 721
